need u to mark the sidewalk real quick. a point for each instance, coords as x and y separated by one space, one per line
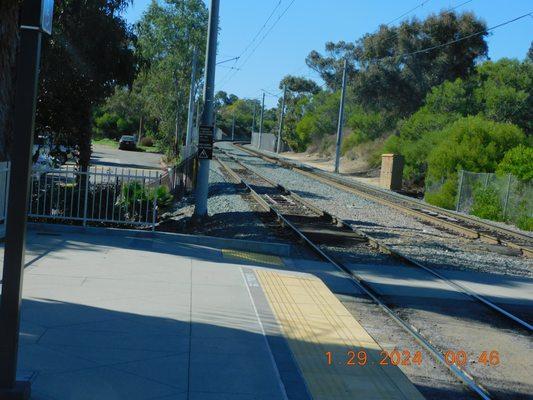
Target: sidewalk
128 317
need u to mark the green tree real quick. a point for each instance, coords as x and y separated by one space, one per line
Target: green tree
243 110
384 78
500 90
77 73
8 47
300 91
167 35
320 119
330 66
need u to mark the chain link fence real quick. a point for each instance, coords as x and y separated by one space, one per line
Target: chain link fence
496 197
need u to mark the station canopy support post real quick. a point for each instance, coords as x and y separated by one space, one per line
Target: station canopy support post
35 19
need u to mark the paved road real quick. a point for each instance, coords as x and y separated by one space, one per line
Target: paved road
110 157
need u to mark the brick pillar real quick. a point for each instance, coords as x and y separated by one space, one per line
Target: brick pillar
391 171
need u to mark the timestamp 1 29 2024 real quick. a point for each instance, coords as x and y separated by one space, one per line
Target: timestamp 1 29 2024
399 357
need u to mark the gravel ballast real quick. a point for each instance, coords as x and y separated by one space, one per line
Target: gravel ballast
403 233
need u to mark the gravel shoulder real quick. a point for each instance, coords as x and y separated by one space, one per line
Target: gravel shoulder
230 215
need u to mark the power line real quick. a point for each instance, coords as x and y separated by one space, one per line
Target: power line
408 12
255 37
263 27
397 32
261 41
231 59
427 49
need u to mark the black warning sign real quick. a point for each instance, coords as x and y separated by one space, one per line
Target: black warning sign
205 142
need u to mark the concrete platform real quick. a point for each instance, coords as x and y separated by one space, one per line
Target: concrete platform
132 317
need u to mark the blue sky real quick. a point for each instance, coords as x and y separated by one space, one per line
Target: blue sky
309 24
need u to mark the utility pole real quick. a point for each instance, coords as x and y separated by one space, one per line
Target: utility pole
233 128
282 115
208 115
261 121
190 115
35 19
341 117
198 114
253 120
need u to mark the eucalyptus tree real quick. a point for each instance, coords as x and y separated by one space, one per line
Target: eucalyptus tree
168 33
393 70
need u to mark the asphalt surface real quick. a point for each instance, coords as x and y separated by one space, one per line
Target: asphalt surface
110 157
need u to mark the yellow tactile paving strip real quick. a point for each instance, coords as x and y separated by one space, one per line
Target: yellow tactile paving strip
252 257
314 322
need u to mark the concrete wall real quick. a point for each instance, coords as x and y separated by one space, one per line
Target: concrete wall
268 142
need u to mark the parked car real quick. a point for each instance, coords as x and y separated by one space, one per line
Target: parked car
127 143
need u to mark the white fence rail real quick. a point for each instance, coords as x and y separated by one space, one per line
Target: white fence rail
109 196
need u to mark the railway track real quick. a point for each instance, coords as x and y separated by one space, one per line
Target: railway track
462 224
317 229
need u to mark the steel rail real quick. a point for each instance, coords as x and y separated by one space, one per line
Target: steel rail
475 229
461 374
378 244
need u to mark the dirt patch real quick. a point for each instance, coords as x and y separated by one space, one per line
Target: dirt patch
356 168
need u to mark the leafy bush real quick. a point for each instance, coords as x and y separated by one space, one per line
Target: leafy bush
111 125
134 192
473 144
162 195
487 204
500 91
524 222
368 126
450 97
446 196
418 135
519 162
147 141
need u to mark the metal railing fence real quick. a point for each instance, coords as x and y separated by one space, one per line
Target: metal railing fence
99 195
102 195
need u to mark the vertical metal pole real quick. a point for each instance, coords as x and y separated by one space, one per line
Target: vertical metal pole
506 203
261 121
190 115
233 128
86 195
341 118
460 193
15 241
253 120
282 115
198 114
140 130
202 186
177 125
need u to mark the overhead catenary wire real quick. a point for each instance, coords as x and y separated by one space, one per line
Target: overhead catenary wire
255 37
408 12
390 22
397 32
247 58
